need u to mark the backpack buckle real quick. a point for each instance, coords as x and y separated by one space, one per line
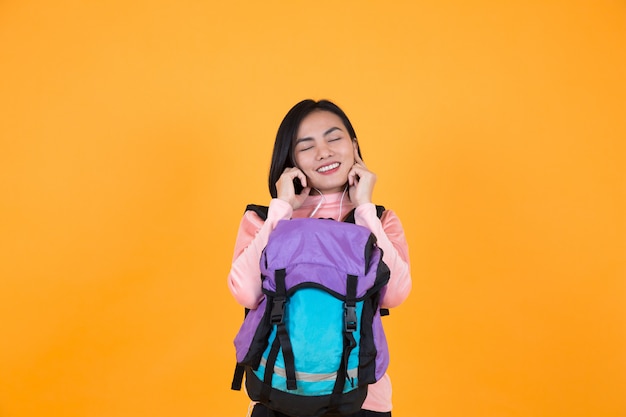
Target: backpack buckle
349 318
278 309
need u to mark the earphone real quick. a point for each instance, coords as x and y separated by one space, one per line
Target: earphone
323 200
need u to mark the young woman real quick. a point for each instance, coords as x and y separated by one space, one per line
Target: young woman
317 171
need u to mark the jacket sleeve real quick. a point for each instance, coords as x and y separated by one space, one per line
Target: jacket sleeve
244 279
391 239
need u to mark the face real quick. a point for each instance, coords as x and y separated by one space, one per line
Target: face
324 151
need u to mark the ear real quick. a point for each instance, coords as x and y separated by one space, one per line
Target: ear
355 143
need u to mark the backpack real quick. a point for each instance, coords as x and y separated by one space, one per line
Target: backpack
315 342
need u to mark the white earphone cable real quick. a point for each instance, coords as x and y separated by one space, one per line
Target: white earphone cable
322 200
341 203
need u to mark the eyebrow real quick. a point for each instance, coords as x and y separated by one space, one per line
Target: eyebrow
308 138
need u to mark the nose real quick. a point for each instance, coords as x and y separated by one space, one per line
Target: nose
324 151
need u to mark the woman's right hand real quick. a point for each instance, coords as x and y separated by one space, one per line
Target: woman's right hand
285 189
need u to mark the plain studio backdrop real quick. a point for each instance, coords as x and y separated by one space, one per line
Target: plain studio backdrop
133 134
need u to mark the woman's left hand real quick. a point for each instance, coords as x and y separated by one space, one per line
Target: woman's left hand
361 182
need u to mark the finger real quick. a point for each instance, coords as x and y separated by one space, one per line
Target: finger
293 172
357 158
359 170
352 176
302 177
297 173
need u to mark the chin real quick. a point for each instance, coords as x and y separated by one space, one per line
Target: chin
332 188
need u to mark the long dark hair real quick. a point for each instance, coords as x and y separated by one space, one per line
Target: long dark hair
282 156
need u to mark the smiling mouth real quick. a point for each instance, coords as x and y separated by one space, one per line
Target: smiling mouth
328 167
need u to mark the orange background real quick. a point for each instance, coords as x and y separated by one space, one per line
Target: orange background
133 134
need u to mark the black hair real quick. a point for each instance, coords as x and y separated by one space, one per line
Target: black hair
282 156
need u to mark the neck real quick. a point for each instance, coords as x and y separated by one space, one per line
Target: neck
322 201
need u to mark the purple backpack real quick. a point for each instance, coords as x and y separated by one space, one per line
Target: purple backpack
316 341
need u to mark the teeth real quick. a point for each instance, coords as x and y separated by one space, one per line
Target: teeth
328 167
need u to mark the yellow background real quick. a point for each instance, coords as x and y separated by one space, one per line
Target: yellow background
133 134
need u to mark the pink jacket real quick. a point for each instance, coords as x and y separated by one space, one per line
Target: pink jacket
245 284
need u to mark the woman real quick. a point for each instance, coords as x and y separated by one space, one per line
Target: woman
317 171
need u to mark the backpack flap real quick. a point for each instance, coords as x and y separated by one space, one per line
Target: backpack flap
341 249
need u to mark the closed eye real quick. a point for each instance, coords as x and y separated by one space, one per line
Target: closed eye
304 144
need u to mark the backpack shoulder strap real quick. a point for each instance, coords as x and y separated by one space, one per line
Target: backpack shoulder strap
261 211
350 219
350 216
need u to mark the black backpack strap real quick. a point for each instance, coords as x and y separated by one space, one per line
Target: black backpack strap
349 342
282 337
266 388
240 369
350 219
261 211
379 211
350 216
